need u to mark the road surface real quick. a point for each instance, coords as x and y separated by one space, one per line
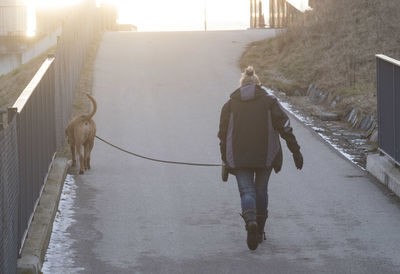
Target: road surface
160 94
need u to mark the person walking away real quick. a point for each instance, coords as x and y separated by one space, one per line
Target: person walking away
250 125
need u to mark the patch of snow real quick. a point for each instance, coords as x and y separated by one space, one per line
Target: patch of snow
320 131
289 108
59 257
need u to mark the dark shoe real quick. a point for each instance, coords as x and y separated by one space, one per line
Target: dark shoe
252 241
261 237
261 219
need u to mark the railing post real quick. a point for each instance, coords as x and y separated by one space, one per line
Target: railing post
2 119
11 113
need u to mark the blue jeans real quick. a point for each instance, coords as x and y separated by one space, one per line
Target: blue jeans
253 189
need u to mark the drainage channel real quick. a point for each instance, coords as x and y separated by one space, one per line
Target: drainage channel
351 144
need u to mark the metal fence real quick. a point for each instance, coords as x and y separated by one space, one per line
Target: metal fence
36 124
257 19
9 189
388 87
34 112
283 14
277 13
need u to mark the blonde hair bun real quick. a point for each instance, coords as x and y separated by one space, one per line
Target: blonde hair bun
249 77
249 71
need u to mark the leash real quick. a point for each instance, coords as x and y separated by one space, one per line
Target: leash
153 159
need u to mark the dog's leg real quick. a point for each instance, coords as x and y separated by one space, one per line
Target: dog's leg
81 160
86 156
90 145
73 154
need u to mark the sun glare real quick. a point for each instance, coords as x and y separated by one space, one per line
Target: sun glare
161 15
32 5
51 3
30 19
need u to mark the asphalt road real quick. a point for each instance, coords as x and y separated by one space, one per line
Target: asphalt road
160 94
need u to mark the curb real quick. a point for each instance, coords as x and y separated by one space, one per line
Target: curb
385 171
38 237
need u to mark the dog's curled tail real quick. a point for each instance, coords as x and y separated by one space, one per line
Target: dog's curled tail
94 106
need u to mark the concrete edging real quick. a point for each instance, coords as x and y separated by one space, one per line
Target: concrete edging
385 171
39 232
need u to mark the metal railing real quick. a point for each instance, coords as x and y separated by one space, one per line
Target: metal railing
277 13
257 19
388 89
34 113
283 14
293 15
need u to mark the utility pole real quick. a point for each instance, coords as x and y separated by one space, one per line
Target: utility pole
205 15
251 14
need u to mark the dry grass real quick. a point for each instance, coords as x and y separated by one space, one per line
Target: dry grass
13 83
335 49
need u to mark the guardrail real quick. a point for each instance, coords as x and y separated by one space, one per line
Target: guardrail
388 90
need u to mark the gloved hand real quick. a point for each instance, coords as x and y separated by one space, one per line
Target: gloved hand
298 159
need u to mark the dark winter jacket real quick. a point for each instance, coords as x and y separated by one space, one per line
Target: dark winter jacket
250 125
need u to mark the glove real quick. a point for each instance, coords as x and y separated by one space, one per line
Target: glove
298 159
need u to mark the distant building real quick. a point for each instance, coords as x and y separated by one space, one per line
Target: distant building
13 18
126 27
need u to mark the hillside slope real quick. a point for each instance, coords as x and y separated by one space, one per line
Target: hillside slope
13 83
333 49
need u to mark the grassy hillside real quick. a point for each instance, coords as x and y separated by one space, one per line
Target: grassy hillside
335 49
13 83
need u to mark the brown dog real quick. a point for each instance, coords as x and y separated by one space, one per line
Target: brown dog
81 132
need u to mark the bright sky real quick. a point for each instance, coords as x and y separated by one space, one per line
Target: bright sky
164 15
299 4
156 15
184 14
32 4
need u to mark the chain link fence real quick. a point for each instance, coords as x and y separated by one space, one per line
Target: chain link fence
9 189
35 130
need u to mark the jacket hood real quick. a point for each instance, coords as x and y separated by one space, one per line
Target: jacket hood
248 93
